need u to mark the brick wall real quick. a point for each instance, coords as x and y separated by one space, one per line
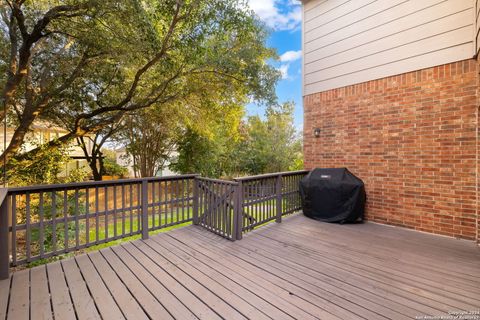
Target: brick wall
412 138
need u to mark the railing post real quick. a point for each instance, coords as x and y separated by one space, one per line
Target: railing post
144 209
195 201
4 239
279 205
238 213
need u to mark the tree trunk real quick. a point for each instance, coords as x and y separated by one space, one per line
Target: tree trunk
92 163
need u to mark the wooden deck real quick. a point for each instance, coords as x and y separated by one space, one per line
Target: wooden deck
299 269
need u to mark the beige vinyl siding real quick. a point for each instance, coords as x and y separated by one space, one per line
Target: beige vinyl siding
351 41
477 24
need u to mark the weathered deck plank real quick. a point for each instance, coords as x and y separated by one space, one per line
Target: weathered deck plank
4 294
169 301
299 269
243 307
61 302
149 303
194 303
83 303
381 269
100 293
248 283
190 262
131 309
286 269
305 300
20 296
40 301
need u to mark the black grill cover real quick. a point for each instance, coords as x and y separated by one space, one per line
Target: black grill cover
333 195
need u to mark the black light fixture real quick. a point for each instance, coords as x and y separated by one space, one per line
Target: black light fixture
316 132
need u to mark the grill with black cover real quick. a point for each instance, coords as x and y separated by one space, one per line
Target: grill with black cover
333 195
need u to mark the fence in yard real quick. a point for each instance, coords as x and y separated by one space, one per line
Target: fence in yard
39 222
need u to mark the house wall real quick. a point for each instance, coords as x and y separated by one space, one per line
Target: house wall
478 151
348 42
477 24
413 138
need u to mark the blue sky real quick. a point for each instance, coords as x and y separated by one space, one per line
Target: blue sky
283 17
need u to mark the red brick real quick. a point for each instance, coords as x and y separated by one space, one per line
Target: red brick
413 139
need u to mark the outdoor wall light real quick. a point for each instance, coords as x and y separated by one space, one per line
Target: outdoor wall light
316 132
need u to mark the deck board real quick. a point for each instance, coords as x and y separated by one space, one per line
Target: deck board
194 303
149 303
382 269
83 303
102 295
169 301
4 294
315 305
299 269
40 301
348 298
252 283
120 293
356 251
191 263
239 304
20 295
60 296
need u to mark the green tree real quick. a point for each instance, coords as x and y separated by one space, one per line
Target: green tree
110 165
209 148
43 167
235 147
149 138
272 144
84 64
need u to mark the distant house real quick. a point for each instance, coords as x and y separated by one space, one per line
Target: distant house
42 133
391 89
125 160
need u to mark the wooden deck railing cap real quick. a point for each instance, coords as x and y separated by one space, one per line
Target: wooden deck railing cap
75 185
270 175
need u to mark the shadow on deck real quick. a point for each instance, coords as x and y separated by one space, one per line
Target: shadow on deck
299 269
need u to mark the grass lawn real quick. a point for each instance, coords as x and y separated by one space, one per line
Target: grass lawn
156 221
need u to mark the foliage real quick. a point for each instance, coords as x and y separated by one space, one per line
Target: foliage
272 144
210 150
75 175
256 146
84 64
42 167
112 168
149 138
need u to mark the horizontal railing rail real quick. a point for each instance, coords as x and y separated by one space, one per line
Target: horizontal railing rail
39 222
46 187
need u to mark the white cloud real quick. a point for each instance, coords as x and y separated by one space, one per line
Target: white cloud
284 70
290 56
278 14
